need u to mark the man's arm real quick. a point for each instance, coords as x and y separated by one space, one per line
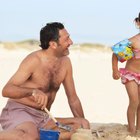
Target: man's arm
17 88
14 87
69 86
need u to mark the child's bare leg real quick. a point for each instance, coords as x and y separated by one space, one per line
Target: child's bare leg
131 119
138 118
138 113
132 90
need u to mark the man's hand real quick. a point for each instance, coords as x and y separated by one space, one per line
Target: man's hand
40 98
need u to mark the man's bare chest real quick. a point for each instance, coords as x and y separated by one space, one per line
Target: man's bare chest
49 76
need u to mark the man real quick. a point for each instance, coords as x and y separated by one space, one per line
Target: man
34 86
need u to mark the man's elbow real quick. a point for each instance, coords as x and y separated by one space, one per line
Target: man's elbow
4 92
7 90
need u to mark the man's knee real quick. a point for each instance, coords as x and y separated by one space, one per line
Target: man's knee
33 137
22 135
85 123
29 137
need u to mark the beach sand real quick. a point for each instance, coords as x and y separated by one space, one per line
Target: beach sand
112 131
104 100
102 131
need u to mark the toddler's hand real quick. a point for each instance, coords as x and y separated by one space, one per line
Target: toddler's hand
116 75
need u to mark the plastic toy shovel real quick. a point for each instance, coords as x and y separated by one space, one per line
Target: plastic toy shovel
62 126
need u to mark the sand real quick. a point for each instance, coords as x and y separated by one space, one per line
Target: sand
102 131
104 100
112 131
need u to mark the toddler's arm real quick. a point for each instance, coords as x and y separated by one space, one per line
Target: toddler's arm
115 71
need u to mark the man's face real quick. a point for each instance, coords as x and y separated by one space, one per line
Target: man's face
64 42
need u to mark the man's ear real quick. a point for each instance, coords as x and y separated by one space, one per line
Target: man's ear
53 44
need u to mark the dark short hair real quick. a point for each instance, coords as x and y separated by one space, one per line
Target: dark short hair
50 32
137 18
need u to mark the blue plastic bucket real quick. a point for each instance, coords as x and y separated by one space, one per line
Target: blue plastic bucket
49 134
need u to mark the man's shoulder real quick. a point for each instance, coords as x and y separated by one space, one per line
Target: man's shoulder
32 57
66 59
67 63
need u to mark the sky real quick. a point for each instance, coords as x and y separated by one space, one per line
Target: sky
87 21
